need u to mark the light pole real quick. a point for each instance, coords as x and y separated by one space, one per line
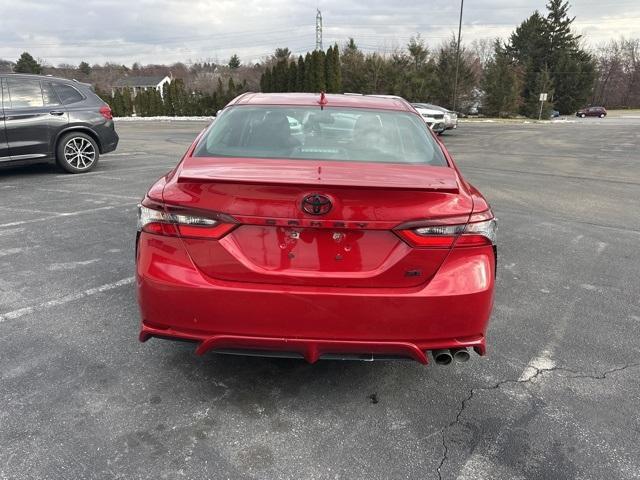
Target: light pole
455 83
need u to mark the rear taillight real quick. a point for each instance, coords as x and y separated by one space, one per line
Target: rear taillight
105 111
480 230
160 222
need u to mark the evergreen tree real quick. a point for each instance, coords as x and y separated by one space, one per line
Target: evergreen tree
543 83
27 64
300 73
572 69
353 68
127 103
234 62
292 80
573 78
167 98
501 84
309 74
84 68
317 58
231 90
546 46
220 92
116 105
328 70
446 72
418 52
265 80
179 97
558 30
282 54
336 80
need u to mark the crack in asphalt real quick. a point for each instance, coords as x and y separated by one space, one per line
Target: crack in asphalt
538 372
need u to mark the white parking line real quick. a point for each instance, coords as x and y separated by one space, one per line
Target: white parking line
479 465
124 154
62 215
101 174
96 194
11 231
11 251
66 299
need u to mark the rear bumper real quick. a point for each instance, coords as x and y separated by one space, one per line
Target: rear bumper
108 137
177 301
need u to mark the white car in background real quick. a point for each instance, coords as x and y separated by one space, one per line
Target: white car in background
432 116
450 117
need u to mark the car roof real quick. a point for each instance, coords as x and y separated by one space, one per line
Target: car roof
44 77
333 100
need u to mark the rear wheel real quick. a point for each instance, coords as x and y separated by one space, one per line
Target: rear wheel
77 152
582 115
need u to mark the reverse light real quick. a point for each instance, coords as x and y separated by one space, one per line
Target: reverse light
481 230
160 222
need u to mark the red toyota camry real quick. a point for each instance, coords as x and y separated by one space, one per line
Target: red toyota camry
317 227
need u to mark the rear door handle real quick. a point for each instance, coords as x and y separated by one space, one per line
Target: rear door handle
56 112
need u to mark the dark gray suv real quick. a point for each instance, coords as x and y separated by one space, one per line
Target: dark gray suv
48 119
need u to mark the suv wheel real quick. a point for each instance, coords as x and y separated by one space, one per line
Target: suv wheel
582 115
77 152
602 115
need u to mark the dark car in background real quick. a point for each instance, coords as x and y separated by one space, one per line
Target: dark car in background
591 112
45 119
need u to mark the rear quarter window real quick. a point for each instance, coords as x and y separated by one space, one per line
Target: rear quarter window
67 93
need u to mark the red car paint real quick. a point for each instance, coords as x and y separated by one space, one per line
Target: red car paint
358 279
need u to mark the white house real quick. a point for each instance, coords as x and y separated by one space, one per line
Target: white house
141 84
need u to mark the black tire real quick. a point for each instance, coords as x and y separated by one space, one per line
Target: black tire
77 152
602 115
582 115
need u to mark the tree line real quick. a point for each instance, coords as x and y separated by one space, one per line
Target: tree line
317 71
541 56
174 100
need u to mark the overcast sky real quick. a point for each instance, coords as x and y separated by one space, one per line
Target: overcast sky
167 31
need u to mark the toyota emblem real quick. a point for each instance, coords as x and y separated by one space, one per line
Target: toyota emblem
316 204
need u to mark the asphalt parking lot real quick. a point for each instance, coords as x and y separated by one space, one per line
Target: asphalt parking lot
556 398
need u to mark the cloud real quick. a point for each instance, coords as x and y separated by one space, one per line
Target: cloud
165 31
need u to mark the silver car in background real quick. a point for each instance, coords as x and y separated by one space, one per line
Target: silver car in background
448 117
432 117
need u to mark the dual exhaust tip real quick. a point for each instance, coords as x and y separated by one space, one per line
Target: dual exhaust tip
445 357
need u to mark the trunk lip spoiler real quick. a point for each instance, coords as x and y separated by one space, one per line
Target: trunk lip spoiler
319 174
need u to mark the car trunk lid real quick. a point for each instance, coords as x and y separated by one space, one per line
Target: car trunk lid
351 245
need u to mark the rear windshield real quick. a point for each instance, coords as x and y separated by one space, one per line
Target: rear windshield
309 133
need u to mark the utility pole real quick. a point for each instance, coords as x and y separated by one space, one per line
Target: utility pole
455 83
319 30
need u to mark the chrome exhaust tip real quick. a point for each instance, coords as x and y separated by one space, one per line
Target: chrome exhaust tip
461 355
442 357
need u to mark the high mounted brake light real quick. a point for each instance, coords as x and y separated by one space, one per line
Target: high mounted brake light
153 218
480 230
